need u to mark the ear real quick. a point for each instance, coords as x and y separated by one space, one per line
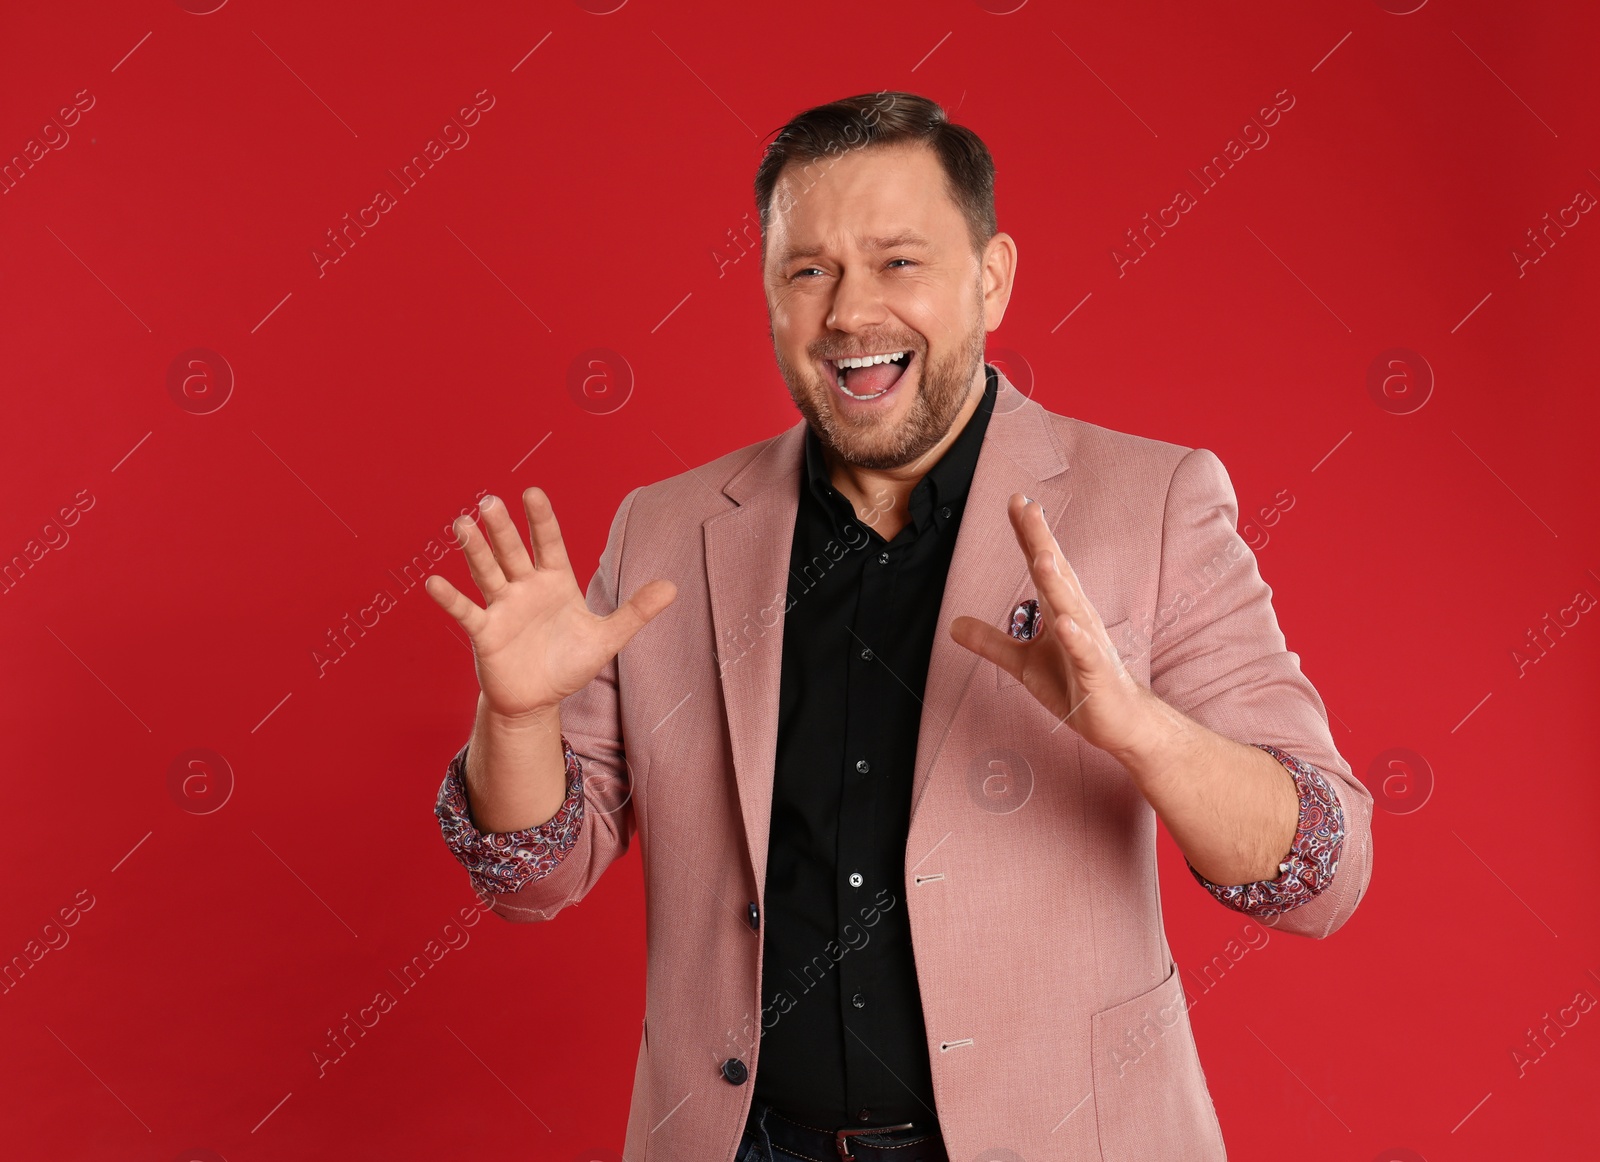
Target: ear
999 272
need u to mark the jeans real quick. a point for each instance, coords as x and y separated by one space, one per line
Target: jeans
754 1147
751 1149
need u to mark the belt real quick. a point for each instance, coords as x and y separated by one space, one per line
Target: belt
905 1142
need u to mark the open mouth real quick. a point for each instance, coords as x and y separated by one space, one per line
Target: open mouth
868 376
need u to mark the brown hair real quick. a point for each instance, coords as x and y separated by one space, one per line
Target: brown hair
885 118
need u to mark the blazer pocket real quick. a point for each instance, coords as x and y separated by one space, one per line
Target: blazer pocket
1150 1095
1121 634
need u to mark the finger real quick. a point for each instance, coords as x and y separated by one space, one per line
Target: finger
1075 625
1064 599
1034 536
504 539
630 617
1032 528
549 551
1033 532
456 603
988 642
1061 591
480 558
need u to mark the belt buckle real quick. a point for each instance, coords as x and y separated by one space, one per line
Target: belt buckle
840 1137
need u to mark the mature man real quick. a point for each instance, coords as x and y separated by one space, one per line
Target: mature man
897 816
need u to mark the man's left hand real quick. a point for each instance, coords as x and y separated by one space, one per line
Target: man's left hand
1070 665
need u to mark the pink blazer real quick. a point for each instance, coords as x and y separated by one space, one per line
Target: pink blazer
1057 1023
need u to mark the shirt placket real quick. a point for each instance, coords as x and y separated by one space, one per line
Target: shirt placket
864 865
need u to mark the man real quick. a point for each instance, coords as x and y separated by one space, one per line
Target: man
895 781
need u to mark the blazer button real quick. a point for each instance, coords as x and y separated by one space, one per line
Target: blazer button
734 1072
755 915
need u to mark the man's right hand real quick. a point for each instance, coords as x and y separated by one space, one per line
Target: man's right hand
534 641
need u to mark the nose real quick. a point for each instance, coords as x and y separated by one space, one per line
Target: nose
857 304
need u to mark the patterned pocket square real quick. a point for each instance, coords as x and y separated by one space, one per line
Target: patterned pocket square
1025 620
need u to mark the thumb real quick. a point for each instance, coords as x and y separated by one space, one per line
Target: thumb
632 615
988 642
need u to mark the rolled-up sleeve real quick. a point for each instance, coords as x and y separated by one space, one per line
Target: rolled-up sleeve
501 862
1313 858
1219 656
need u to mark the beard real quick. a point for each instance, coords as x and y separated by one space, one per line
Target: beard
873 442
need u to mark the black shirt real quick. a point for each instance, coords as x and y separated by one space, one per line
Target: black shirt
842 1034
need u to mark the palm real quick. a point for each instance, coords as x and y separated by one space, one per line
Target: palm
535 641
538 643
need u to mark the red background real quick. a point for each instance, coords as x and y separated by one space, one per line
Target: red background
213 552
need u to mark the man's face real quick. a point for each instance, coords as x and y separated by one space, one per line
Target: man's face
874 258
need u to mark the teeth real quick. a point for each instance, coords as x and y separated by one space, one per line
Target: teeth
869 360
854 395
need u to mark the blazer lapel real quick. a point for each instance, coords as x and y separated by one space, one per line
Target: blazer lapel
747 576
988 574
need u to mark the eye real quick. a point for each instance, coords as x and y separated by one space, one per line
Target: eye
798 273
892 261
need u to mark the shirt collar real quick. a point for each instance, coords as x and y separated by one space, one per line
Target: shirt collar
943 486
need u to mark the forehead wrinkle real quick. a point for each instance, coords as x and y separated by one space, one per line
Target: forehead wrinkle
874 245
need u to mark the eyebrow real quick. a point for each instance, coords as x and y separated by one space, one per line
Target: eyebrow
882 242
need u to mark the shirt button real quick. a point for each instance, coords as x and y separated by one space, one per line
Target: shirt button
863 1115
855 879
866 655
734 1071
945 512
883 558
755 915
859 1001
861 765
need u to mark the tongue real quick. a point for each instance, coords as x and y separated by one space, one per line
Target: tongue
872 380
